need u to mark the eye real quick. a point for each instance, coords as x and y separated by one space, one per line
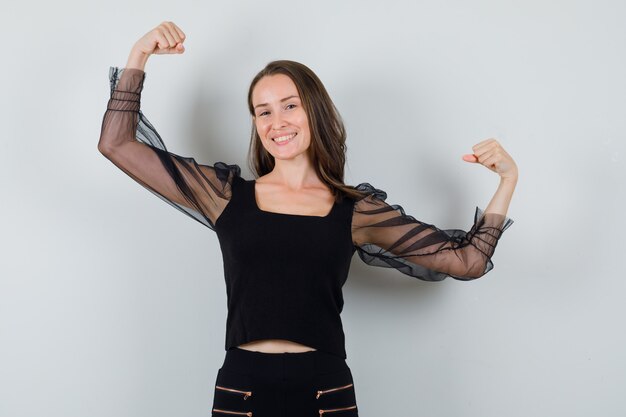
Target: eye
291 105
262 113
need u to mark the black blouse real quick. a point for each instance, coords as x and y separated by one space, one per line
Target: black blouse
302 299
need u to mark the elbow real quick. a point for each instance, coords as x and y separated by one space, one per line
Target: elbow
102 146
471 276
477 271
105 149
102 149
466 274
472 265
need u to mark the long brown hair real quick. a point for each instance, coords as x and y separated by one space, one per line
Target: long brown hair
328 135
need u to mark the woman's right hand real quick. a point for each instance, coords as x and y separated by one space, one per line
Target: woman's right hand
167 38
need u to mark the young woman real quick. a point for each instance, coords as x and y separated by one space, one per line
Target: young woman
287 237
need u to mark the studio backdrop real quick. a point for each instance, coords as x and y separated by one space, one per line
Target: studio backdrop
113 303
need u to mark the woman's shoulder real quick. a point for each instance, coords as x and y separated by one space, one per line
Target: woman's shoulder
365 190
224 170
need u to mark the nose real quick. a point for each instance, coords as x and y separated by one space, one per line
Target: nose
277 121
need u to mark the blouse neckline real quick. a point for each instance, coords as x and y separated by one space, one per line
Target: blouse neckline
256 205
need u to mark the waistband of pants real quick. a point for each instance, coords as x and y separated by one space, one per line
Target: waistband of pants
282 364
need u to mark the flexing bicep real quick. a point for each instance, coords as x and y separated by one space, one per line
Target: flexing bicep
385 235
132 143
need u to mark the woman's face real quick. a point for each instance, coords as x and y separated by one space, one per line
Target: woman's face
278 112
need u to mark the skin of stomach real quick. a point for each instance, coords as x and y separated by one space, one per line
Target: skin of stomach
275 346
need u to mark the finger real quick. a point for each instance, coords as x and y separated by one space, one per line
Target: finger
495 156
170 39
481 143
486 156
487 147
484 150
469 158
162 41
484 144
490 162
180 32
173 32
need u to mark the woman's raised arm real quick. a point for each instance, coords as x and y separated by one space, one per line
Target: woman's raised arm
384 235
130 141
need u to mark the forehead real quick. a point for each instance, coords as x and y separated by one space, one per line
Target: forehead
272 88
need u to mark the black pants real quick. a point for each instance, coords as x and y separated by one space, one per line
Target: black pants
302 384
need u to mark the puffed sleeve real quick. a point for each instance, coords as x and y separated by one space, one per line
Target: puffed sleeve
130 142
384 235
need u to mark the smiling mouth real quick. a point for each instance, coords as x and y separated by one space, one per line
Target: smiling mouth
286 138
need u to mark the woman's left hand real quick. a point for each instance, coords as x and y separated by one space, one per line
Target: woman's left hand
492 155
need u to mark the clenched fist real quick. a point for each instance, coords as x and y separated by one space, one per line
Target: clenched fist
167 38
492 155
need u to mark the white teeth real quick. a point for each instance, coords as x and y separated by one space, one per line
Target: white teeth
284 138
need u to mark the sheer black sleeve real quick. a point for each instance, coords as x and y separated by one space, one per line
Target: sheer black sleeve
129 141
384 235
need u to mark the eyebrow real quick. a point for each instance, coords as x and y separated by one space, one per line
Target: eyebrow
284 99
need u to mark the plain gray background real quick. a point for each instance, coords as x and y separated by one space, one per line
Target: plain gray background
113 303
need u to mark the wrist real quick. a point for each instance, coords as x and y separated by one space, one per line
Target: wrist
137 59
508 180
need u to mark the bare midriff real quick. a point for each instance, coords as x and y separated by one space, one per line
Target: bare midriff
275 346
